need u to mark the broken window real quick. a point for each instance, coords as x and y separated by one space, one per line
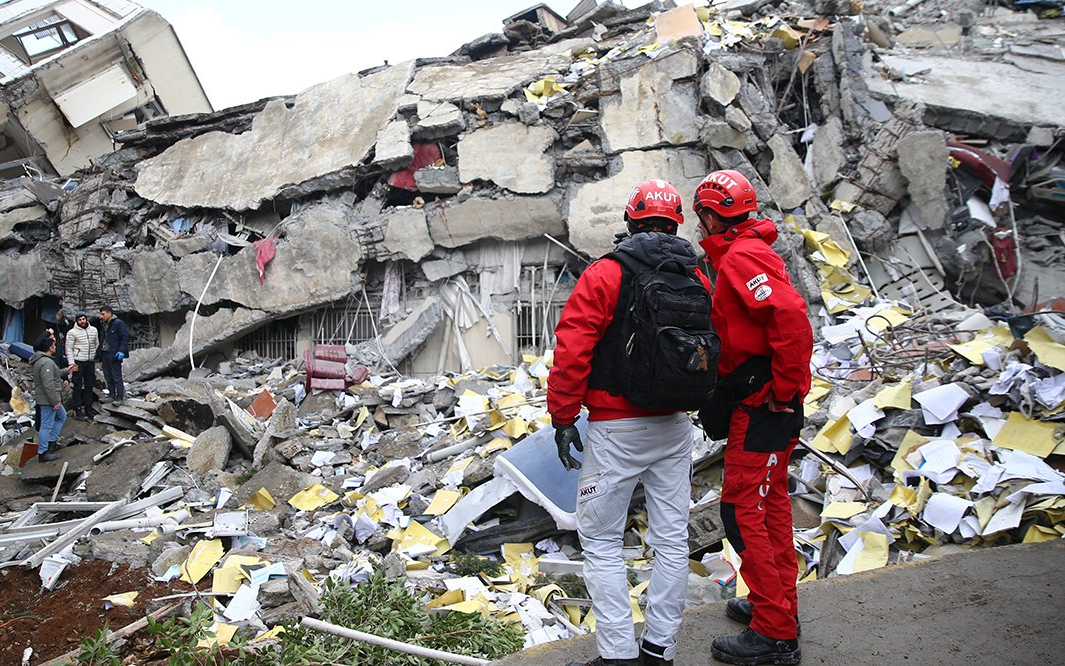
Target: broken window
347 323
143 332
274 340
534 326
44 38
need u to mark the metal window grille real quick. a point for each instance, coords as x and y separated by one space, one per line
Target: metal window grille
535 326
143 333
274 340
350 323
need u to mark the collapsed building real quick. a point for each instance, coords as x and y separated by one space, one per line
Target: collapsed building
314 264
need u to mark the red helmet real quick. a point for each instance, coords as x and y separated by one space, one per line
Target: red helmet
655 198
728 193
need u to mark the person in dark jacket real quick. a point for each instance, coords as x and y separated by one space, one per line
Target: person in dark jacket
626 443
114 348
47 391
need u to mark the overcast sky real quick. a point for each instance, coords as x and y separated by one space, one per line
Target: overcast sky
244 50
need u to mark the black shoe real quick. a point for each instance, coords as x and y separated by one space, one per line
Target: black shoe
741 610
652 655
55 446
750 648
47 456
599 661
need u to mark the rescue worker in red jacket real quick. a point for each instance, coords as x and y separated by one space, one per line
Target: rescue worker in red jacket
766 344
625 444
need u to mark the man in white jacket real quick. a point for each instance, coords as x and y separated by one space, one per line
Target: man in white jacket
83 341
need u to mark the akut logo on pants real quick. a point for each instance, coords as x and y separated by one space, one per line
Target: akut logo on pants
763 489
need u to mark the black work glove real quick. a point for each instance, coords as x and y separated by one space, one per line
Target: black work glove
564 436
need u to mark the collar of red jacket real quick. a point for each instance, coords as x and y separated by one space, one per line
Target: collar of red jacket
717 245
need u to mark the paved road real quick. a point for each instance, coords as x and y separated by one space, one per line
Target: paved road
1002 605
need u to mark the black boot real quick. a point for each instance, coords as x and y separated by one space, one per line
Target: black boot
599 661
653 655
741 610
750 648
47 456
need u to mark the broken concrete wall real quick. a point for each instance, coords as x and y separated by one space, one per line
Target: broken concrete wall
284 146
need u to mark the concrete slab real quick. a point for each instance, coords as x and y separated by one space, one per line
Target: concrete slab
596 210
121 473
221 170
79 458
788 182
986 606
407 234
1023 96
510 218
313 266
658 105
25 276
523 167
493 78
153 284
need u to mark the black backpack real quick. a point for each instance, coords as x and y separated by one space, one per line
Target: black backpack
663 351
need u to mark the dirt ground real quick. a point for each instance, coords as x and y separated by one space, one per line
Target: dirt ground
53 623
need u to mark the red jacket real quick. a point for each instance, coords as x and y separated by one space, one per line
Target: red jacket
588 312
757 311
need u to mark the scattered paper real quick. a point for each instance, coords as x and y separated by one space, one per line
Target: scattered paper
314 497
941 404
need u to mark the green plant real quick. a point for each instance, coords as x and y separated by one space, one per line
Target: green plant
384 608
96 651
470 564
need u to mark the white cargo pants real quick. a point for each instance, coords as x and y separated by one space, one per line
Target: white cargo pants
657 451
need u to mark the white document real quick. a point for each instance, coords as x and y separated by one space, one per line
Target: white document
850 539
940 405
1006 518
941 458
244 605
944 511
863 417
1046 488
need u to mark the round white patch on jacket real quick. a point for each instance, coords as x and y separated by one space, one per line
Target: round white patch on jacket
763 292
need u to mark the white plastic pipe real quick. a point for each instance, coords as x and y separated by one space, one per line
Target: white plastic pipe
139 523
196 312
390 644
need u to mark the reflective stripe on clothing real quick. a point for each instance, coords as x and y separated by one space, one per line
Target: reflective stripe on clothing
657 451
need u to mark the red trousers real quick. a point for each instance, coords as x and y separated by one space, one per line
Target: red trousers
756 510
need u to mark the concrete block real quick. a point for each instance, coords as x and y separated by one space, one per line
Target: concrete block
788 182
719 84
719 134
153 284
523 167
737 119
407 234
436 120
438 180
826 154
393 149
506 218
658 105
922 158
25 276
210 450
442 268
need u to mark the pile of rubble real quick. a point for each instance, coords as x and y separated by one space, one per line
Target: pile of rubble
906 195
